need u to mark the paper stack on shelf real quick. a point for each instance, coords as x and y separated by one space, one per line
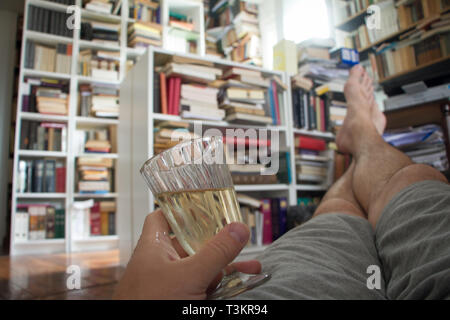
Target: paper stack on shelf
100 65
144 34
48 88
200 102
183 33
233 27
94 175
99 100
311 160
423 144
101 6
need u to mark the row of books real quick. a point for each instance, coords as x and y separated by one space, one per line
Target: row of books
145 10
183 34
170 133
90 219
38 222
266 218
48 21
44 136
98 140
41 175
398 57
311 160
95 175
48 58
411 12
99 64
198 90
100 101
48 96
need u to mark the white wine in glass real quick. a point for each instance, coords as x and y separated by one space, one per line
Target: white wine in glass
194 189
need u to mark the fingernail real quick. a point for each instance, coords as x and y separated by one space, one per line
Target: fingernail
239 232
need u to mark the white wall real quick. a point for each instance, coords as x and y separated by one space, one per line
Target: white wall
8 30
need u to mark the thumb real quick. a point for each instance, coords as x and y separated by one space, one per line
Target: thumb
220 251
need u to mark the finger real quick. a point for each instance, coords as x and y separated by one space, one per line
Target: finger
178 248
218 252
249 267
154 222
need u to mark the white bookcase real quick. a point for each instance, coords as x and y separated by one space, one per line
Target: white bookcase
136 130
72 120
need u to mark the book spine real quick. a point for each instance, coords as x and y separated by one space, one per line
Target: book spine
275 219
111 223
267 221
38 172
282 215
49 180
95 220
50 223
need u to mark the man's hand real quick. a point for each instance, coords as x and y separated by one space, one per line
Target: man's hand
160 269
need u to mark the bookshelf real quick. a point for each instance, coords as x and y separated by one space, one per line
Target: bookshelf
72 121
136 140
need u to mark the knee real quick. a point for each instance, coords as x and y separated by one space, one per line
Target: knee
339 205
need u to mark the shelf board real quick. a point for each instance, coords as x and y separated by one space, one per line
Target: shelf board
134 52
46 37
382 40
305 187
40 242
209 123
99 155
45 74
96 121
45 154
351 22
98 239
314 133
83 79
97 46
41 195
42 117
261 187
94 195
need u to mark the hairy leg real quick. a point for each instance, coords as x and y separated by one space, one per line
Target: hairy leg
380 170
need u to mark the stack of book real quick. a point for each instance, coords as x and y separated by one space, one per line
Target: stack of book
423 144
311 160
100 101
48 96
94 175
143 34
49 21
38 222
183 34
100 32
101 6
41 175
234 27
99 65
170 133
195 76
248 97
47 58
244 167
200 102
45 136
102 140
346 9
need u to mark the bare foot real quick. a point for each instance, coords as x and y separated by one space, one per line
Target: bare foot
363 114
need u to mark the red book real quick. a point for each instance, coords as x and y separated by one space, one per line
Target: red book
163 84
267 221
303 142
60 184
171 95
277 103
177 96
95 219
322 115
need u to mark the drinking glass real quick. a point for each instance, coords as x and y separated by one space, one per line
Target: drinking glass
193 186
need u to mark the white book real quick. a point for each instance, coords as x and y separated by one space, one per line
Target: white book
22 176
80 219
104 74
202 116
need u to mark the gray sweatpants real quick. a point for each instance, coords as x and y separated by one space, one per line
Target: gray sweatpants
329 256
